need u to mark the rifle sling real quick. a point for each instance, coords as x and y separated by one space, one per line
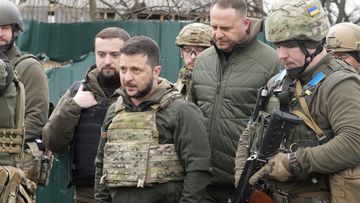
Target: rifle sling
306 116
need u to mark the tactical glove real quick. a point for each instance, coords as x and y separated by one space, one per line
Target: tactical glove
277 168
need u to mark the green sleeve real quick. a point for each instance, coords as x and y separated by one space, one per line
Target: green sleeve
36 96
340 105
58 132
242 153
192 145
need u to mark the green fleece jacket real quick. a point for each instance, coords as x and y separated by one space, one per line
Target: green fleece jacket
180 123
225 91
36 92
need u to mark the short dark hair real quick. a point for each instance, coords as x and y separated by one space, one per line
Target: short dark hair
239 5
112 32
143 45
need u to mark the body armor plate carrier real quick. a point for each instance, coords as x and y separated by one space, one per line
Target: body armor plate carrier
133 155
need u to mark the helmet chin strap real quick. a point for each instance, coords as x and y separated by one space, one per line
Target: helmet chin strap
295 72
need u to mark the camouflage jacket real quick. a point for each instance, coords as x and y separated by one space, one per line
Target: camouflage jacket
180 123
183 82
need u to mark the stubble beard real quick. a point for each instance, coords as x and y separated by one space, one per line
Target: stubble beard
144 92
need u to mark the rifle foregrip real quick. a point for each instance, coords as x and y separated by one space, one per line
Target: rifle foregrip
244 189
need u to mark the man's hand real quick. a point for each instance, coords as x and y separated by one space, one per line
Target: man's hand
277 168
84 99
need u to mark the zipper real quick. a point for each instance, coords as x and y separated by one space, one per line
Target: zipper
216 100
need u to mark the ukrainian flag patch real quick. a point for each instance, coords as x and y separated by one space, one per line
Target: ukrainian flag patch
313 10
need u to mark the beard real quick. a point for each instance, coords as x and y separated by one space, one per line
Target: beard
4 48
113 77
144 92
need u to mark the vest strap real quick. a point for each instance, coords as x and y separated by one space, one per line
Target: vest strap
306 116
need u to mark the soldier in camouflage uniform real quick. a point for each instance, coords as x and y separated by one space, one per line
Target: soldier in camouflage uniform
32 76
344 40
153 146
192 40
30 71
325 93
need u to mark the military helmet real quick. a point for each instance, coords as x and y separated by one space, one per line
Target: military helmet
10 14
194 34
343 37
300 20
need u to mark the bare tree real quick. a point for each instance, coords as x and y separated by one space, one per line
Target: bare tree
92 10
336 10
194 10
342 11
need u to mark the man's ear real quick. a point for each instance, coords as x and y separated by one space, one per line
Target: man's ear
246 23
157 70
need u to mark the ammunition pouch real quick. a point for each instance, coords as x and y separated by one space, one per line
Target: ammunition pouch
37 162
11 147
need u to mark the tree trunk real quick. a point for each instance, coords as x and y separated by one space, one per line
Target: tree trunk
93 10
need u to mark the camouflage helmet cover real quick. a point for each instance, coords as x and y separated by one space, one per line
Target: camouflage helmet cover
194 34
296 20
343 37
10 14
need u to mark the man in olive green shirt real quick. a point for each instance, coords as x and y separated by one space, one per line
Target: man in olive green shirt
321 90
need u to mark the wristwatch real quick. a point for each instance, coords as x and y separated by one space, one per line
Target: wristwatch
295 167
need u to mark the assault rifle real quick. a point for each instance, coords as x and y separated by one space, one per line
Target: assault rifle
280 122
